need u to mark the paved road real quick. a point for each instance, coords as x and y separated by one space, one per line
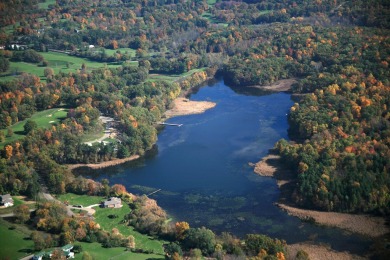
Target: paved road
89 209
49 197
8 215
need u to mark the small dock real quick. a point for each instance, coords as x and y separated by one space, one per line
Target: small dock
169 124
153 192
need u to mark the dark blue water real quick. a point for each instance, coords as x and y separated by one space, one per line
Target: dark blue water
203 173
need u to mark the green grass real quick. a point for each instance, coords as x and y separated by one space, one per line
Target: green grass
43 119
131 51
14 243
212 19
88 137
142 241
57 61
117 253
84 200
45 5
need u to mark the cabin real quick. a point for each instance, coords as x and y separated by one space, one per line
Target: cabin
112 202
6 200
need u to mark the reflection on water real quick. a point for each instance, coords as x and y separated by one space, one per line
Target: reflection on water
203 173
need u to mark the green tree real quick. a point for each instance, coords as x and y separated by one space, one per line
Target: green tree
201 238
22 213
29 126
123 151
10 132
4 64
171 249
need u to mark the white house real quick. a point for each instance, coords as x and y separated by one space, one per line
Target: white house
6 200
112 202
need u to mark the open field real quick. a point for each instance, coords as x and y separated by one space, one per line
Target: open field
44 119
57 61
13 242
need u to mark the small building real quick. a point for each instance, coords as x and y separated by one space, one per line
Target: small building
66 249
39 256
112 202
6 200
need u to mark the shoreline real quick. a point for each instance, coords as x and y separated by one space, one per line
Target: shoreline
320 252
283 85
366 225
371 226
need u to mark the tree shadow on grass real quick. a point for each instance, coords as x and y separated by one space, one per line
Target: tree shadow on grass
26 250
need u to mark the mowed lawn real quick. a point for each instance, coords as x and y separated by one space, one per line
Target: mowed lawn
83 200
14 243
44 119
118 253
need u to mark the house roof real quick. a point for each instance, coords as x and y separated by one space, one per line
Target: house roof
5 198
112 201
67 247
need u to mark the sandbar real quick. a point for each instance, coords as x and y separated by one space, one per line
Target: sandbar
102 165
183 106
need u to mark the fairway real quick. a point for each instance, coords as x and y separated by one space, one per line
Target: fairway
44 119
59 62
131 51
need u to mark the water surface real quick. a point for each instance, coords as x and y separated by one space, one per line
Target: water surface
203 173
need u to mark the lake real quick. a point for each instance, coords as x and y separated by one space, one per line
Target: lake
203 173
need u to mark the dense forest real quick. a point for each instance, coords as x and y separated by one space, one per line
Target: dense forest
338 51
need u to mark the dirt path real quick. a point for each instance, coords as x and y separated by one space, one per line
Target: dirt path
184 106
